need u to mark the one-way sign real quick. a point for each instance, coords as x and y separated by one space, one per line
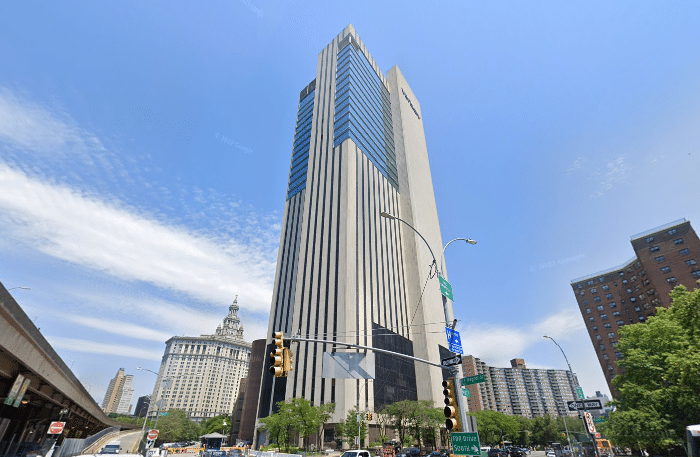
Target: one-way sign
451 361
586 404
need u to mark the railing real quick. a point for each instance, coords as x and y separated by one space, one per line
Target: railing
76 446
271 454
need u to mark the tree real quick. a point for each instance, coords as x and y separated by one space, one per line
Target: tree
495 427
296 418
400 414
216 424
349 427
661 375
177 426
324 414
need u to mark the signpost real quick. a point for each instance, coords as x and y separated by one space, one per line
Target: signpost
589 422
452 361
453 340
152 434
586 404
445 288
466 443
476 379
56 428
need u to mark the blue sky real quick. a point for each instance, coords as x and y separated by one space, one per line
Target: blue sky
145 146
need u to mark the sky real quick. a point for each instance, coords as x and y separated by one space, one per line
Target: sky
145 150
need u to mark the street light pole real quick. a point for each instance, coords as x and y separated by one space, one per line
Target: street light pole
143 428
585 426
461 401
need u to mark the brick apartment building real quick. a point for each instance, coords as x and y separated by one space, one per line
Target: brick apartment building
665 257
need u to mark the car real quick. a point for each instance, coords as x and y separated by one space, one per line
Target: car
413 452
356 453
113 447
496 452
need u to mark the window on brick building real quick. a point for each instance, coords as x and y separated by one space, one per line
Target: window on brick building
660 258
665 269
654 249
685 251
678 241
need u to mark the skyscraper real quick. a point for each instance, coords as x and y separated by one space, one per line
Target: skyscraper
344 273
202 375
119 393
665 257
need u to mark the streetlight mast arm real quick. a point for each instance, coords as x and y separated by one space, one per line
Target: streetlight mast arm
391 216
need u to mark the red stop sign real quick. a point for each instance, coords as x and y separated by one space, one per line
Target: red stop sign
152 434
56 428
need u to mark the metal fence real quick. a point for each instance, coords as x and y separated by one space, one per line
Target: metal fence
271 454
75 446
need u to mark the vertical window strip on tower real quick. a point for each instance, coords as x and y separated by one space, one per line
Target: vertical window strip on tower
363 111
302 141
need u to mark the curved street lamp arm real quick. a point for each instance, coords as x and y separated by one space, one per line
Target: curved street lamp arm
562 353
391 216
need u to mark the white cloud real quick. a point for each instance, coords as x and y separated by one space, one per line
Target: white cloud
498 344
615 172
66 224
28 125
120 328
94 347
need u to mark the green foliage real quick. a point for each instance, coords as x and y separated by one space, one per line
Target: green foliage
177 426
495 427
216 425
414 422
126 419
296 418
348 429
661 379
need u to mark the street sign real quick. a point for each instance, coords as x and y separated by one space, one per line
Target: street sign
163 414
466 443
579 391
586 404
451 361
466 392
56 428
476 379
445 288
454 342
152 434
599 420
589 422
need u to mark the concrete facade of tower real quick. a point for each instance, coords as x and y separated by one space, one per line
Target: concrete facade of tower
344 273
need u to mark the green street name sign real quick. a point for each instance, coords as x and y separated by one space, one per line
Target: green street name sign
579 391
445 288
598 420
466 443
467 393
473 379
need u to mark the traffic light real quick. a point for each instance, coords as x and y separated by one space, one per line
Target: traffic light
277 356
451 408
287 361
368 416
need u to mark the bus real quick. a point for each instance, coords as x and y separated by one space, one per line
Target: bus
692 432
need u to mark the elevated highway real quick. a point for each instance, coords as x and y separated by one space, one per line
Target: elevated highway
51 390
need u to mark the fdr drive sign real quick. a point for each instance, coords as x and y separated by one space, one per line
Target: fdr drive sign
586 404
